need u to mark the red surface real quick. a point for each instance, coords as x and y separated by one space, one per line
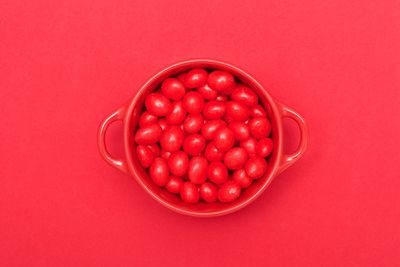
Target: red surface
64 66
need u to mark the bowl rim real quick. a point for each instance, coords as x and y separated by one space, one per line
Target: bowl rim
213 64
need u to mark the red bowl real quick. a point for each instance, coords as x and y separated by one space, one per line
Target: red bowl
129 115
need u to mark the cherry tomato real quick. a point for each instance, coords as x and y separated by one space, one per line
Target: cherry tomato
190 192
209 192
214 110
193 123
148 134
195 78
157 104
193 102
242 178
177 114
222 98
264 147
163 124
159 171
221 81
210 128
260 127
235 158
237 111
173 88
178 163
250 145
155 149
224 138
211 152
197 171
165 154
181 77
144 155
217 172
174 184
146 119
194 144
244 95
240 130
229 191
256 167
257 111
171 138
207 92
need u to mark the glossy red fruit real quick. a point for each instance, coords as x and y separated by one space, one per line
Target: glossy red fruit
250 145
207 92
197 171
173 88
210 128
217 172
209 192
193 102
194 144
235 158
221 81
178 163
165 154
195 78
177 114
257 111
214 110
148 134
159 171
174 184
256 167
237 111
211 152
229 191
144 155
155 149
224 139
242 178
193 123
244 95
222 98
181 77
171 138
190 192
240 130
260 127
146 119
264 147
163 124
157 104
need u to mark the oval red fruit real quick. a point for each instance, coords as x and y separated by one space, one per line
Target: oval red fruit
211 152
157 104
207 92
148 134
174 184
178 163
237 111
190 192
260 127
197 171
224 138
146 119
195 78
217 172
221 81
214 110
264 147
159 171
210 128
244 95
194 144
177 114
173 88
229 191
242 178
193 102
209 192
171 138
240 130
144 155
235 158
256 167
193 123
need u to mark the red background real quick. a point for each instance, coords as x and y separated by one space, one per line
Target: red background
65 65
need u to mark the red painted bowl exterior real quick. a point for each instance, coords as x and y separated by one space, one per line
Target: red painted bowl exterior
130 112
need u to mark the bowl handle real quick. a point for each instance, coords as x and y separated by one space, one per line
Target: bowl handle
118 115
288 160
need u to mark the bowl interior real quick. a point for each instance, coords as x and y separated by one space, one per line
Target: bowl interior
173 201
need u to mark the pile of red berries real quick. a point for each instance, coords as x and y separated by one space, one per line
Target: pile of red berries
204 136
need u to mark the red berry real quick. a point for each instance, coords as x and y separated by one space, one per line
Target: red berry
190 192
157 104
240 130
193 102
221 81
194 144
172 138
177 114
148 134
173 88
211 152
217 172
209 192
214 110
195 78
258 111
224 138
144 155
264 147
260 127
159 171
244 95
250 145
235 158
174 184
256 167
210 128
207 92
146 119
229 191
237 111
178 163
193 123
197 171
242 178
